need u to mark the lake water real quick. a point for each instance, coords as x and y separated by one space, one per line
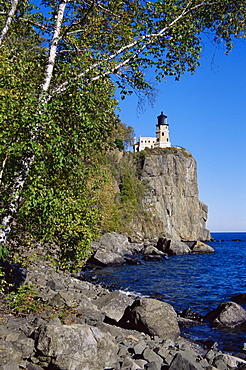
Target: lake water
200 282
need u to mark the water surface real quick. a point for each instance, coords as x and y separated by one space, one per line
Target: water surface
200 282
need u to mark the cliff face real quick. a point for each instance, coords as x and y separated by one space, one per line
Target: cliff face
171 204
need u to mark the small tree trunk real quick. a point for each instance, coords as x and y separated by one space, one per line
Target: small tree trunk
8 20
27 160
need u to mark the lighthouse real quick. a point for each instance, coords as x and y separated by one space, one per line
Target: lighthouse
162 132
160 141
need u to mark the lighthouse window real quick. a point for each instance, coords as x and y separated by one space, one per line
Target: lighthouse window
167 139
163 133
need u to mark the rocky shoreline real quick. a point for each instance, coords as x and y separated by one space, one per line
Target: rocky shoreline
83 326
114 249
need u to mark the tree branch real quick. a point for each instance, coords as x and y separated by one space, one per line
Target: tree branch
8 20
150 39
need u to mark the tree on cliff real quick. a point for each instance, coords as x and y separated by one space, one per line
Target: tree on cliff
71 54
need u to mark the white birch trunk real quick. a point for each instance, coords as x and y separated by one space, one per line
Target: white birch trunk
8 20
27 160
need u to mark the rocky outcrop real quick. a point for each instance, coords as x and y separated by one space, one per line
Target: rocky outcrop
114 304
172 199
227 315
154 318
76 347
200 247
173 247
112 248
84 340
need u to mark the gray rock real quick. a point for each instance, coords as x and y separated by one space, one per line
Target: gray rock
225 359
200 247
154 318
203 216
180 362
227 315
220 364
152 250
129 364
61 299
175 248
55 285
152 357
172 200
77 347
152 366
105 257
141 363
111 249
33 367
140 347
210 355
166 355
25 345
92 317
10 365
8 352
113 304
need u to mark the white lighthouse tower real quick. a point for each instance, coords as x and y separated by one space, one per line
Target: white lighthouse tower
162 132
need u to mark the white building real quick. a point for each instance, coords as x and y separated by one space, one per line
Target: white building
161 140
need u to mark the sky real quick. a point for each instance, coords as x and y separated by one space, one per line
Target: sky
207 116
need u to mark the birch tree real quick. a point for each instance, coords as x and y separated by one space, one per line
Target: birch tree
90 41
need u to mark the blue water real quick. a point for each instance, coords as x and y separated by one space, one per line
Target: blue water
200 282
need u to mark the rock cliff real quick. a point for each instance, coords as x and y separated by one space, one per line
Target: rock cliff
171 205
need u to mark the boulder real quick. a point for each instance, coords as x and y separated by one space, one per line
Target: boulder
240 298
10 365
188 313
113 304
150 249
9 352
129 364
14 346
189 318
151 356
111 249
182 362
76 347
200 247
104 257
231 362
176 248
154 317
227 315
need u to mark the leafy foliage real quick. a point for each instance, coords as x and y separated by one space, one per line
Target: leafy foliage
58 69
23 300
119 143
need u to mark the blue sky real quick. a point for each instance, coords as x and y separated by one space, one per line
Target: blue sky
207 115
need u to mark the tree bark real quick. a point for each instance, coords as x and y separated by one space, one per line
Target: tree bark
8 20
28 158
